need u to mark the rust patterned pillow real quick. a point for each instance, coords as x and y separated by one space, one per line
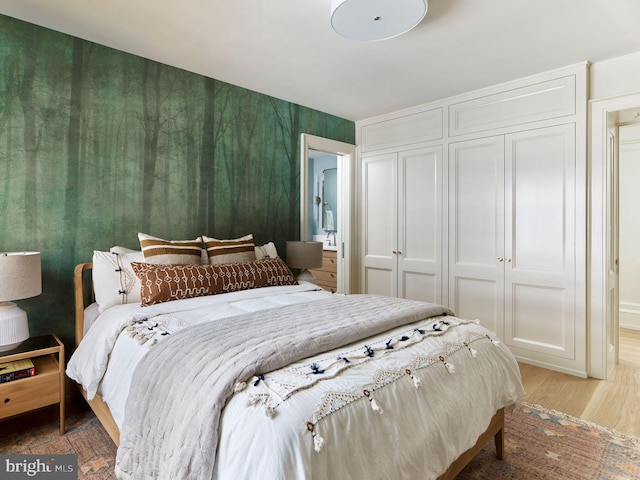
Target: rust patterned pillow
163 283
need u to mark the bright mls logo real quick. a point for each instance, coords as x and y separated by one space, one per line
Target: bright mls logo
51 467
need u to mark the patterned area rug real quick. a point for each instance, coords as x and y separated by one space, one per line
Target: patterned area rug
546 444
540 444
84 437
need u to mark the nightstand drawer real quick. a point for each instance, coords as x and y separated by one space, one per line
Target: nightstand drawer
330 287
330 262
34 392
325 277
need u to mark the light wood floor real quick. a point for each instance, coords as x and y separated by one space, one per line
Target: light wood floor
612 403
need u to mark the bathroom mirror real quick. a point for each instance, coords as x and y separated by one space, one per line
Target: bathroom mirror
329 199
322 214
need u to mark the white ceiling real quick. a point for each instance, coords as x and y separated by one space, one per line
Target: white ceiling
287 49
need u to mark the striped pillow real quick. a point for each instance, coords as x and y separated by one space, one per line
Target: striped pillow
159 251
230 251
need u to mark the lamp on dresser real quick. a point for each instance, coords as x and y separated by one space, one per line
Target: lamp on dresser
20 277
304 255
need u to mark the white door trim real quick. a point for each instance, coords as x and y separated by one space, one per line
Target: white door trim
599 110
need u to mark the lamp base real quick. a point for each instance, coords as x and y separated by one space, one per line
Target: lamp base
306 276
14 328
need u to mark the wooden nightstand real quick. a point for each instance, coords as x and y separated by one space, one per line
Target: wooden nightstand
45 388
327 276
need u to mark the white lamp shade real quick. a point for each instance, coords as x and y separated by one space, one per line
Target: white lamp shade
371 20
304 254
20 275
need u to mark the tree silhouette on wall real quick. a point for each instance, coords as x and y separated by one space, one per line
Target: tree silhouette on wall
97 144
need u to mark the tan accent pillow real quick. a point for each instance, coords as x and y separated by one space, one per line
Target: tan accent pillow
230 251
162 283
159 251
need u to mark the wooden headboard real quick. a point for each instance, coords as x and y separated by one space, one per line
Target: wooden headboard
81 287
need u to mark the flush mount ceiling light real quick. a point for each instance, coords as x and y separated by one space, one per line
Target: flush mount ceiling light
371 20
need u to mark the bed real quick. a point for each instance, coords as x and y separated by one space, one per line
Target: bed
289 381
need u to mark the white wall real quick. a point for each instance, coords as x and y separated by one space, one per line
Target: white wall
615 77
629 227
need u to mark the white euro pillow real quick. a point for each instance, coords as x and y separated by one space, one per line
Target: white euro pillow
114 282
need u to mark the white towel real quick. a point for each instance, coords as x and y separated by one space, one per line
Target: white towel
328 221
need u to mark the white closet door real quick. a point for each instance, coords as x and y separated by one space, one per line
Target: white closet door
476 230
420 224
540 226
380 225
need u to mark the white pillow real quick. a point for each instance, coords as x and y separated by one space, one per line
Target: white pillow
123 250
268 250
114 282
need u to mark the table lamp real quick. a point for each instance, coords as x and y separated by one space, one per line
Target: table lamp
20 277
304 255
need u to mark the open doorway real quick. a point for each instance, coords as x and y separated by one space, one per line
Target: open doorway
334 214
609 119
629 237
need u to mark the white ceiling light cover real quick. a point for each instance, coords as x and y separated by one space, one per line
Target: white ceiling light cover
371 20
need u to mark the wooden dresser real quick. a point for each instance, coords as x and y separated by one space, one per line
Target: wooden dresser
326 276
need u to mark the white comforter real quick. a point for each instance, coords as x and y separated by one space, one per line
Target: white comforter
105 360
423 427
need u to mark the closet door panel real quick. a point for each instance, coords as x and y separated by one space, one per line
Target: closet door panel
540 219
420 286
539 321
402 131
379 281
476 202
477 298
419 224
379 200
476 229
537 180
530 103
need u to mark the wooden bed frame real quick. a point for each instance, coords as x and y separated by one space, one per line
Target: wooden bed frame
97 405
82 287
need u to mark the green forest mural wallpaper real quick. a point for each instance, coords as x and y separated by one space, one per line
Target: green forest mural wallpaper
97 145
